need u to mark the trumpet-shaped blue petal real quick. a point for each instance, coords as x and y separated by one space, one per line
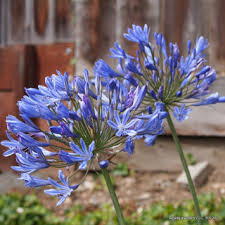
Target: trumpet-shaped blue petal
139 35
181 113
28 163
123 127
129 146
104 70
33 181
15 126
62 191
81 155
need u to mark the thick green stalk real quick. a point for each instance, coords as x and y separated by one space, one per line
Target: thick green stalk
113 196
185 166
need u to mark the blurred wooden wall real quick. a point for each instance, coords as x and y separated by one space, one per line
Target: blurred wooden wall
95 24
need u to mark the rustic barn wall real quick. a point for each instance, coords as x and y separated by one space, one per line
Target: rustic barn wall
13 69
93 26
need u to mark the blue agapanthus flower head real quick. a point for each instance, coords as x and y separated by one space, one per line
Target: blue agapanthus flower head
85 120
180 82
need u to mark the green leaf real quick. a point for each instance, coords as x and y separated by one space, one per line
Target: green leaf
121 170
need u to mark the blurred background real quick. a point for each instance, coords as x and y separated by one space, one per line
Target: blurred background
39 36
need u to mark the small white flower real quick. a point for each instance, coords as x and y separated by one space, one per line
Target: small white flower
20 210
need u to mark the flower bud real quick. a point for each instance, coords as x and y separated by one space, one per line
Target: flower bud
104 164
160 92
179 93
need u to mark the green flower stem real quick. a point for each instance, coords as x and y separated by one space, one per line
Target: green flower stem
113 196
185 166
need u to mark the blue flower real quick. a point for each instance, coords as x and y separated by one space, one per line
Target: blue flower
118 52
160 92
129 146
135 97
28 163
12 145
211 99
138 97
169 77
131 79
81 155
59 86
160 41
201 45
80 84
74 116
64 130
33 181
181 113
14 125
28 141
62 190
83 122
139 35
87 109
34 109
123 127
132 67
153 125
102 69
150 139
104 164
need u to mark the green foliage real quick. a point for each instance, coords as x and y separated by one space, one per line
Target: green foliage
26 210
190 159
73 61
121 170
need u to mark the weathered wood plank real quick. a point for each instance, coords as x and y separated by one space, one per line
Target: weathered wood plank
2 23
17 63
20 70
42 23
16 68
54 57
173 19
122 18
8 105
94 20
107 35
84 49
64 20
10 67
196 21
41 14
31 66
7 57
220 30
16 31
151 13
135 16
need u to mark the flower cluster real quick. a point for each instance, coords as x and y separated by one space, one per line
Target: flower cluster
177 81
88 121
